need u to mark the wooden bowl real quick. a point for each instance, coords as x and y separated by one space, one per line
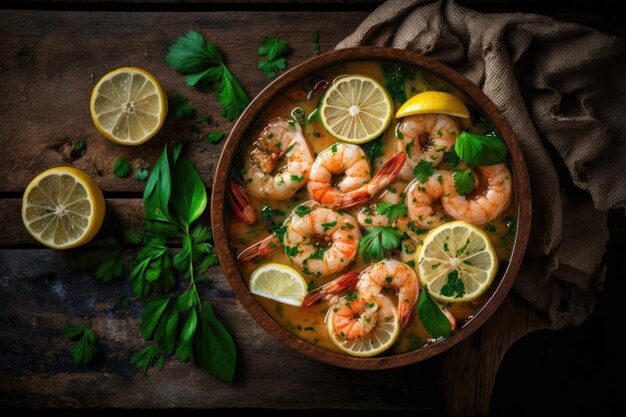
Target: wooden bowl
246 123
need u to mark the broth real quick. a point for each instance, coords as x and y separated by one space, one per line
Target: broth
308 324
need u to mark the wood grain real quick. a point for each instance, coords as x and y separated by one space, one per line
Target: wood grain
36 370
50 62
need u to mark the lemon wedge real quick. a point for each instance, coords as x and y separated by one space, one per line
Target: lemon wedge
381 338
433 102
63 208
279 283
356 109
456 262
128 105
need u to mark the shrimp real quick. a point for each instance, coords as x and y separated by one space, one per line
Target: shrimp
390 273
331 290
440 131
420 199
279 139
485 206
369 217
307 235
241 204
356 318
355 188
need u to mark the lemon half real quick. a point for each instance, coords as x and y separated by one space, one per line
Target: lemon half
433 102
63 208
356 109
279 283
128 105
456 262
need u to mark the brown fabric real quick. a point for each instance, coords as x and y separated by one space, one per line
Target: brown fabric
562 87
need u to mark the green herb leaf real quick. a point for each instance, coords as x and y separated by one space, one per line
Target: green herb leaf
158 189
107 260
84 350
182 108
392 211
373 245
191 54
142 174
272 68
316 43
396 78
146 357
422 171
434 321
121 169
273 48
213 346
453 286
374 148
214 137
480 150
79 148
189 197
302 210
463 181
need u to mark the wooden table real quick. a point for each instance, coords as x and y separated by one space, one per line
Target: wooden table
50 60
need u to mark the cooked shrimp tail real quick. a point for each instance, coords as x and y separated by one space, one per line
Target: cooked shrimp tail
450 317
345 282
241 203
265 246
385 176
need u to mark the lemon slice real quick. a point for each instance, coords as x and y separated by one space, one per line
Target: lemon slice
356 109
376 342
63 208
279 283
433 102
128 106
456 262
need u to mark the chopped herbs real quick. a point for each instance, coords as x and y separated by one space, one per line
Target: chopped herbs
292 251
334 148
329 225
422 171
302 210
373 245
79 148
463 181
396 78
351 297
454 287
374 148
490 228
310 286
202 61
121 169
142 174
297 177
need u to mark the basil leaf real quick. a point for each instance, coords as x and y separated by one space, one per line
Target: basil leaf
156 195
214 349
434 321
151 315
480 150
189 197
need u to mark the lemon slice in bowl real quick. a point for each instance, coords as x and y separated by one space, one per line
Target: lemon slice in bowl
456 262
381 338
356 109
279 283
63 208
433 102
128 105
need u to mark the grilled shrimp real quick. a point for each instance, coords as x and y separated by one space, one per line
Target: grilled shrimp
278 140
425 137
485 206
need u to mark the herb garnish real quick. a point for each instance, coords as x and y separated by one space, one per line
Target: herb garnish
422 171
121 169
453 286
84 350
191 54
142 174
214 137
374 148
182 108
392 211
463 181
479 149
373 245
274 51
434 321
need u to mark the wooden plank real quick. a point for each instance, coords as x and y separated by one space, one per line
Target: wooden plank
51 61
124 212
41 291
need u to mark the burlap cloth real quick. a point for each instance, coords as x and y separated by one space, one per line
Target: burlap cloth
562 88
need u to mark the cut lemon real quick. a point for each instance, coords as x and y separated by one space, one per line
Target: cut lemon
356 109
63 208
433 102
381 338
128 106
456 262
279 283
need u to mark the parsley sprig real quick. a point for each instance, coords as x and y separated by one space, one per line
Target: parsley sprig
274 51
191 54
84 349
373 245
392 211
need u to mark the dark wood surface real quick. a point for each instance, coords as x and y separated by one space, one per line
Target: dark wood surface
49 62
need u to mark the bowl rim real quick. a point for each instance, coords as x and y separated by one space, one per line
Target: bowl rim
246 122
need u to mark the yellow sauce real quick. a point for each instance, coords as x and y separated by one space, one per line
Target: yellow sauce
308 324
